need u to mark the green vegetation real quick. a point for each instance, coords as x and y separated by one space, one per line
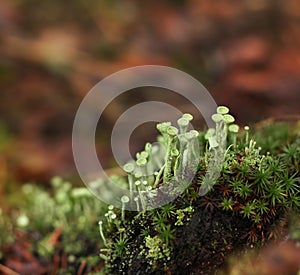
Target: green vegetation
245 187
236 188
60 221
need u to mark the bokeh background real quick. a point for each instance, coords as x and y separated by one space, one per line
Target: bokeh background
52 52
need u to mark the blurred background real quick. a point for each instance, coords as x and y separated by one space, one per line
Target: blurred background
52 52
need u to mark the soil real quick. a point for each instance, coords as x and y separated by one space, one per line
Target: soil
201 246
206 241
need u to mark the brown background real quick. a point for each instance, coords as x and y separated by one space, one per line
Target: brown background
247 53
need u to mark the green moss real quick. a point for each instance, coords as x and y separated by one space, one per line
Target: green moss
240 196
67 212
249 189
157 249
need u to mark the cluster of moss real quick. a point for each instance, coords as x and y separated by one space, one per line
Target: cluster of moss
59 222
256 188
237 196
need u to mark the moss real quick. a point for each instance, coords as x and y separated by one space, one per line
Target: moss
60 221
245 206
250 191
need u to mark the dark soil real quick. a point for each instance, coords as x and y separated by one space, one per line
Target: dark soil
204 243
201 245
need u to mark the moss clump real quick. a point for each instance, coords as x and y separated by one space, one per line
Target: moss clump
239 197
58 227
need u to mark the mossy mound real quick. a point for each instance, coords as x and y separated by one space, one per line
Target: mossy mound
249 205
